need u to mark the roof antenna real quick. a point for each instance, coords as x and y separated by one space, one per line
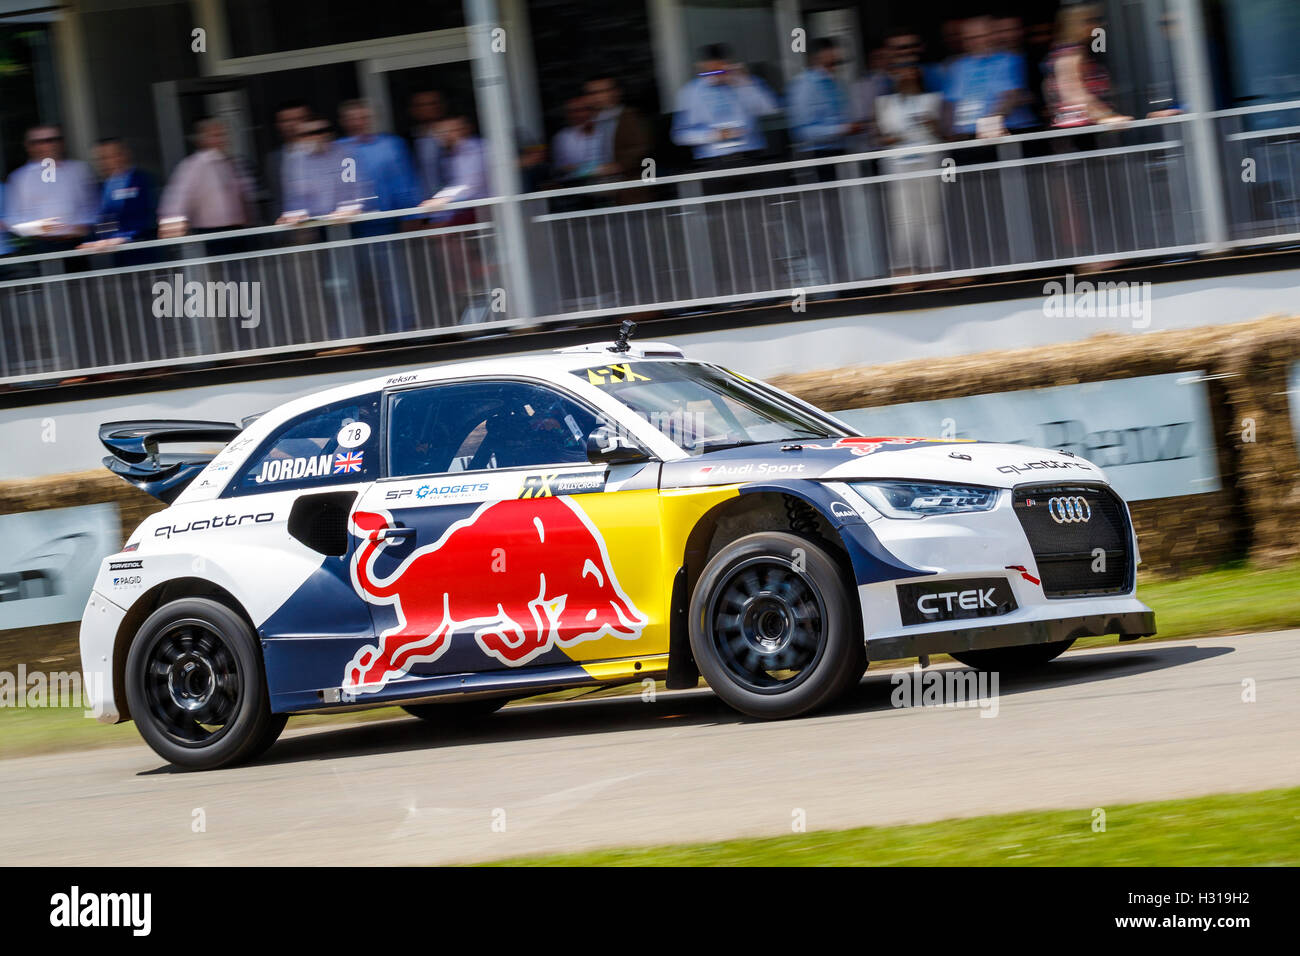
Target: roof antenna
624 333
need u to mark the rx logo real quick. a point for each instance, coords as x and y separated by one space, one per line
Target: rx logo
610 374
1072 510
538 486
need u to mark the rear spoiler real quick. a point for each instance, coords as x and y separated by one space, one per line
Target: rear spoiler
135 456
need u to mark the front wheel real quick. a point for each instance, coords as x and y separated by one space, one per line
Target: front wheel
1013 658
195 686
771 626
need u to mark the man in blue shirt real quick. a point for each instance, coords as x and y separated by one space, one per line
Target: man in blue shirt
717 112
817 107
4 229
979 84
385 178
1009 37
127 199
428 109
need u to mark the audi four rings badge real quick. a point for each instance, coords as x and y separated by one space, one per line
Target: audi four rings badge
1072 510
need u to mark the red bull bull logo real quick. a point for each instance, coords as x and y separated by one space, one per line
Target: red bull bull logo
866 446
525 575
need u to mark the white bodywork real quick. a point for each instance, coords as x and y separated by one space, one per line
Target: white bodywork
254 567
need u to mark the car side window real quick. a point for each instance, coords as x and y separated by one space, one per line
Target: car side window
333 445
474 426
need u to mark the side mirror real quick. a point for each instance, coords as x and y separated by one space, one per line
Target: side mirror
606 447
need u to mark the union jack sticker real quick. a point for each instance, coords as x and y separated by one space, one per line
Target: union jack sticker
346 463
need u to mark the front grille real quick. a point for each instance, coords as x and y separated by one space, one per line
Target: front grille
1067 550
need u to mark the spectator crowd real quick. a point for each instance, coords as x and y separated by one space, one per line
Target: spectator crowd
992 77
56 204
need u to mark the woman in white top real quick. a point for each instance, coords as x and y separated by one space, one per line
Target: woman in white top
911 117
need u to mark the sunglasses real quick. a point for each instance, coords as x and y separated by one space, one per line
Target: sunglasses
46 139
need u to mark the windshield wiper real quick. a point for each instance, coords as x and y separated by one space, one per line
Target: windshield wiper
722 445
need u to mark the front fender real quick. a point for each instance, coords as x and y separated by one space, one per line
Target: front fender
870 560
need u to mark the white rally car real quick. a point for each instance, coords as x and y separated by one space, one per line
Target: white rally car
453 538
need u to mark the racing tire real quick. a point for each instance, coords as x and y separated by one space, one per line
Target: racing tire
774 636
1021 658
458 711
196 686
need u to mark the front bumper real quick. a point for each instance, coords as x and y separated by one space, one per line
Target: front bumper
1128 624
951 553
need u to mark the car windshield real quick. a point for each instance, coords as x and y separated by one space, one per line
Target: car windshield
703 408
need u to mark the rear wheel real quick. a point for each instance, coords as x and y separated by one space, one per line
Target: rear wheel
456 711
771 626
1013 658
196 688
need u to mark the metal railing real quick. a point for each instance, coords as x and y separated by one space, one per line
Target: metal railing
244 292
1053 199
897 215
1259 163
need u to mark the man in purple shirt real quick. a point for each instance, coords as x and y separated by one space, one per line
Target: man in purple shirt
465 164
467 178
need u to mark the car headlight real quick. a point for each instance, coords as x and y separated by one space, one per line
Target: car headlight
913 499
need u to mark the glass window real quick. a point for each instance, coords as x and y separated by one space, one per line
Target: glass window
274 26
334 445
701 407
471 426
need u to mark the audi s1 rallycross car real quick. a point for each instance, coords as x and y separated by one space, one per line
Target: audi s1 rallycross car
449 539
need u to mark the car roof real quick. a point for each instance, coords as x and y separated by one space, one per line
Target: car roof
550 366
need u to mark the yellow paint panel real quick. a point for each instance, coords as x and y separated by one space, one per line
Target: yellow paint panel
645 534
651 665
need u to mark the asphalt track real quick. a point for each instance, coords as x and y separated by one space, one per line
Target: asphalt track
1093 729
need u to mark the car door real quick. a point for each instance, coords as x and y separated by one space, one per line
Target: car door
304 479
493 543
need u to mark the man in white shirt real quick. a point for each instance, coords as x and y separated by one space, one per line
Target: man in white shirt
51 201
717 112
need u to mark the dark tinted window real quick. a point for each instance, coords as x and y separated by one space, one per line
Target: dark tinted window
274 26
471 426
334 445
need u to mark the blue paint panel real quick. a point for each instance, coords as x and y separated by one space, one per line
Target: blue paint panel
523 682
310 639
871 561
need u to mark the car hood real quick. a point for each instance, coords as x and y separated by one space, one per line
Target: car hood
848 459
